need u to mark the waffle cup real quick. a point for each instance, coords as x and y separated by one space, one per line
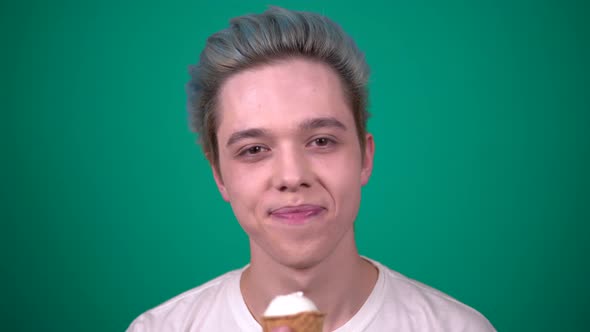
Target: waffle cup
309 321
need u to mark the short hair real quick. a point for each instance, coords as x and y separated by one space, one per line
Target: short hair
257 39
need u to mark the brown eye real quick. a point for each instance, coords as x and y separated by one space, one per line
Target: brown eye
323 144
254 149
253 153
322 141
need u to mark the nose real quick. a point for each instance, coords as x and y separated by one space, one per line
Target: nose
292 171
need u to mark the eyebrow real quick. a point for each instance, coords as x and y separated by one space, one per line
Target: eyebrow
246 133
318 123
307 125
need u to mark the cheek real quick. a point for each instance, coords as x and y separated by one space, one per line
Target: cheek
343 182
350 192
245 187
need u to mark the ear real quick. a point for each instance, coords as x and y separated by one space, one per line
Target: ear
218 178
367 167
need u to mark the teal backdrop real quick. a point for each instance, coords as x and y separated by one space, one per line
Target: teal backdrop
480 111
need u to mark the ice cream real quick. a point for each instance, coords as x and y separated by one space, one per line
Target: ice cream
295 311
291 304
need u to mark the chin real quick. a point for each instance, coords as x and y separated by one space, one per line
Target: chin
300 264
299 259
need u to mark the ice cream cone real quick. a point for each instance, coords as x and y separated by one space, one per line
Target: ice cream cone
309 321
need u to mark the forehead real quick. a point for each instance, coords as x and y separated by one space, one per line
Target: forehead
280 96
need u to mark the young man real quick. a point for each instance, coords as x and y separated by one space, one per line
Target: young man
279 101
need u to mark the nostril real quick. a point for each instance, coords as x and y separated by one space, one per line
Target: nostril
287 187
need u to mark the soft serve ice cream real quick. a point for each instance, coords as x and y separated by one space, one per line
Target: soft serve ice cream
295 311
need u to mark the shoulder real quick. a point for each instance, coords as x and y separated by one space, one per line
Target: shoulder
197 301
424 305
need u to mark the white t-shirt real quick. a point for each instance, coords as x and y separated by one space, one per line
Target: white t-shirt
396 303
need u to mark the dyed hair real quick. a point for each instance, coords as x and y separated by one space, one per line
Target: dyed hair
257 39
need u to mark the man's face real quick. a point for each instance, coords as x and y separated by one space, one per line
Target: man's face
290 161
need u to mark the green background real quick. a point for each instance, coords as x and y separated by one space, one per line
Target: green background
480 188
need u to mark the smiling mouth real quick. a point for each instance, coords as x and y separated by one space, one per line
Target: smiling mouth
296 215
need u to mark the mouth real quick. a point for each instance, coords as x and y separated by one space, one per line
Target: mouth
296 215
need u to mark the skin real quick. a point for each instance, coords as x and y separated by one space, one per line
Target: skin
291 166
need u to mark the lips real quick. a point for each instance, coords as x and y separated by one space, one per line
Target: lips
297 214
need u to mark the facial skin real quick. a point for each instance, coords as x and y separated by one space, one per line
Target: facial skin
290 161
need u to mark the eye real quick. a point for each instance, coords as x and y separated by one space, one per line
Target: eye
322 142
252 150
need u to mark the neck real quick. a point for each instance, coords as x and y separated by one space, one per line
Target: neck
339 284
